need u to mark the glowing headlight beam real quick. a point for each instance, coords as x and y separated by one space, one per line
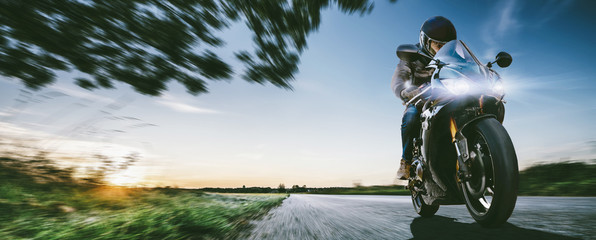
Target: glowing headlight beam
498 88
456 86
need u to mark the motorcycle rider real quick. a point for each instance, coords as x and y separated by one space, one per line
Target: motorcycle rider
411 76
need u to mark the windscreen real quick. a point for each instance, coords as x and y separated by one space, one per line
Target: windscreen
457 56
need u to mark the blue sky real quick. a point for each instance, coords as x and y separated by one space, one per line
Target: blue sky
340 125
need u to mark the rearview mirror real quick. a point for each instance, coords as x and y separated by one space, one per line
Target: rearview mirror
407 52
503 59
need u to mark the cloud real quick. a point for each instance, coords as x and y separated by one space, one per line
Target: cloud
507 21
60 147
175 104
500 25
513 16
183 107
550 9
14 131
83 94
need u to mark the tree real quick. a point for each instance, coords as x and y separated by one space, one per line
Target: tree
281 187
147 43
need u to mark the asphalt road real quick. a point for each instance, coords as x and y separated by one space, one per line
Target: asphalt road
304 216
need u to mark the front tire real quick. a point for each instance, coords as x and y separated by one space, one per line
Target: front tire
491 192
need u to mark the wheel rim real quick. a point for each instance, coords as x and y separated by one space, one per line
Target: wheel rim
417 201
479 190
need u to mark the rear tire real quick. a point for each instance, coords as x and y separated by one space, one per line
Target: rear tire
491 193
422 208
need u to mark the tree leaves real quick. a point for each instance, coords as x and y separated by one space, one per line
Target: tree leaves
147 43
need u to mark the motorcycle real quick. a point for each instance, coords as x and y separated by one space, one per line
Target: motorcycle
463 154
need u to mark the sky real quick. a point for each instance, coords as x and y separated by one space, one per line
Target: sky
340 125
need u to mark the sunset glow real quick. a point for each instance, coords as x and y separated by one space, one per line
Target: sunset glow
125 179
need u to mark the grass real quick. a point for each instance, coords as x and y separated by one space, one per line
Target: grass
33 207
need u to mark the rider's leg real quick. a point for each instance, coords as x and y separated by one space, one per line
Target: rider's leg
410 127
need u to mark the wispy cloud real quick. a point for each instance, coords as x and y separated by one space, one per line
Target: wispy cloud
511 17
83 94
180 106
61 147
499 25
507 20
549 10
183 107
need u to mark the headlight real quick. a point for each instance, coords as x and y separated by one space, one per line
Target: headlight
456 86
498 88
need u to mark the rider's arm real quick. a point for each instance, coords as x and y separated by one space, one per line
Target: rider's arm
401 82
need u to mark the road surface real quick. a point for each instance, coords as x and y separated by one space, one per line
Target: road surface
303 216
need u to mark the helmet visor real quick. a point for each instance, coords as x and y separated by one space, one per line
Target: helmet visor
431 45
434 46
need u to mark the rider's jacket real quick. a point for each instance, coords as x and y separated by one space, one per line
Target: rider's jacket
411 74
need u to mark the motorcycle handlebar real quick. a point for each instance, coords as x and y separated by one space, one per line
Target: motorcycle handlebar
415 98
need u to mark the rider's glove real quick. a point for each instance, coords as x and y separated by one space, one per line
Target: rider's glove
410 92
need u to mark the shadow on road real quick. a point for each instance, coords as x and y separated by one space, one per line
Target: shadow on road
438 227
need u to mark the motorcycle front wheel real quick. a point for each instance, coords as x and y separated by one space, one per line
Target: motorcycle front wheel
491 192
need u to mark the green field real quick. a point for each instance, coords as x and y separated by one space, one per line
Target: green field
35 205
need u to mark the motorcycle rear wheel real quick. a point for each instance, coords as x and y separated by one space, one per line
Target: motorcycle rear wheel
491 192
421 207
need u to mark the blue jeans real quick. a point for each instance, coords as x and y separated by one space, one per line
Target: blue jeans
410 128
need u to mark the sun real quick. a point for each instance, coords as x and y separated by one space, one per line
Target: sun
126 178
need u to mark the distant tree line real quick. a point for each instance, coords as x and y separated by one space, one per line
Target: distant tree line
280 189
573 178
390 190
576 178
559 179
240 190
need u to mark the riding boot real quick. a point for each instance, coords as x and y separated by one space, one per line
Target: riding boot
404 170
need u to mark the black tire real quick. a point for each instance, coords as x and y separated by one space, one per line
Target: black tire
422 208
491 193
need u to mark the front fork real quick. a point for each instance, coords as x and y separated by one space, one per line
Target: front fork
483 109
461 148
463 158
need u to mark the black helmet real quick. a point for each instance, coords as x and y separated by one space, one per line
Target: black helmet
437 29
